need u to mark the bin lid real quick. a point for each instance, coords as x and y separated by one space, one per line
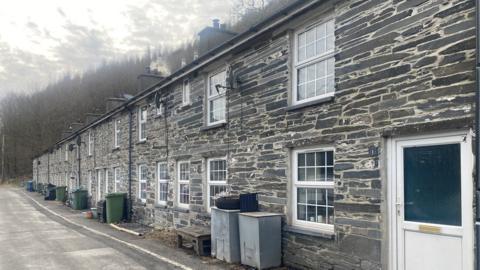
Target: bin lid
115 194
260 214
79 190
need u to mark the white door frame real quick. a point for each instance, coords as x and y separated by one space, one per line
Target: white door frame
467 189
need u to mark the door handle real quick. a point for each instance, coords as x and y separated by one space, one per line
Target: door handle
399 207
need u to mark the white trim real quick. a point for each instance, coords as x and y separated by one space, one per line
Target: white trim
99 184
140 181
161 181
116 178
465 139
215 183
116 133
106 181
142 121
90 143
215 97
183 182
326 228
186 89
318 58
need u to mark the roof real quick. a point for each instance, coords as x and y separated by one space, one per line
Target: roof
277 19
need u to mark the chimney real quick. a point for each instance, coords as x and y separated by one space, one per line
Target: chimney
148 79
114 102
213 36
90 117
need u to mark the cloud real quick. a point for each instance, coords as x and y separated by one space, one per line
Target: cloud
41 44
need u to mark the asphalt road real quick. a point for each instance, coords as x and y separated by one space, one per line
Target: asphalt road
33 238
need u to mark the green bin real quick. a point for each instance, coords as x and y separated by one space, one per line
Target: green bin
61 193
115 204
79 199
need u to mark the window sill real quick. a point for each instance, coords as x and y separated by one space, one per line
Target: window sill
310 232
181 209
310 103
218 125
160 206
141 142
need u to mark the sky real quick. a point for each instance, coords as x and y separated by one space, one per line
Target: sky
40 41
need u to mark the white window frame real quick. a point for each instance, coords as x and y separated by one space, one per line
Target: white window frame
90 180
216 96
99 184
116 135
215 183
161 181
159 110
116 179
327 228
66 152
141 181
315 59
186 92
142 122
106 181
183 182
90 143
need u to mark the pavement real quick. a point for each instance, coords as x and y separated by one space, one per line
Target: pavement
38 234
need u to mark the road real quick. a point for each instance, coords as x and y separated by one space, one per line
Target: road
33 238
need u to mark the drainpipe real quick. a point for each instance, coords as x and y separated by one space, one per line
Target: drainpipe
130 118
477 136
48 167
79 155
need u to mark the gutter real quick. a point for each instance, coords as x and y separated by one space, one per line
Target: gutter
477 136
213 55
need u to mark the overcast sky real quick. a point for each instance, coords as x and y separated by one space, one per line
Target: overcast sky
41 40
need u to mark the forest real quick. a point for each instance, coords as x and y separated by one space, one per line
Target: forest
30 123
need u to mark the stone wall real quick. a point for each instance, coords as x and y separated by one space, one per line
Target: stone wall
401 67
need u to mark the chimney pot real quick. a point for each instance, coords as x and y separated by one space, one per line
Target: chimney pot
216 23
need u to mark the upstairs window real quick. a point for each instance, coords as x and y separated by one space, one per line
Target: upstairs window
90 143
314 62
116 134
313 183
142 123
186 93
216 106
66 152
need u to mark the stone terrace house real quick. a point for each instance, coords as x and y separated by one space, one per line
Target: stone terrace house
352 118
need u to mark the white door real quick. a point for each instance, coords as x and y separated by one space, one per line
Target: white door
431 203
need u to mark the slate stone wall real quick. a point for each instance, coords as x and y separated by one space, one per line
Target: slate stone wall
402 67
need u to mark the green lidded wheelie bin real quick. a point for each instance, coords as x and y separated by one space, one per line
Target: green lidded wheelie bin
61 193
79 199
115 204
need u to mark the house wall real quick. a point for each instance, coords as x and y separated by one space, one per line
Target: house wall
402 68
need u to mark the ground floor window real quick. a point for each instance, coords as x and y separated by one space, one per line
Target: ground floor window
142 182
116 179
183 183
313 183
99 183
217 178
162 179
90 180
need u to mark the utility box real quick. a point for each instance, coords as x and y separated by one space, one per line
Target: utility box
260 239
225 235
